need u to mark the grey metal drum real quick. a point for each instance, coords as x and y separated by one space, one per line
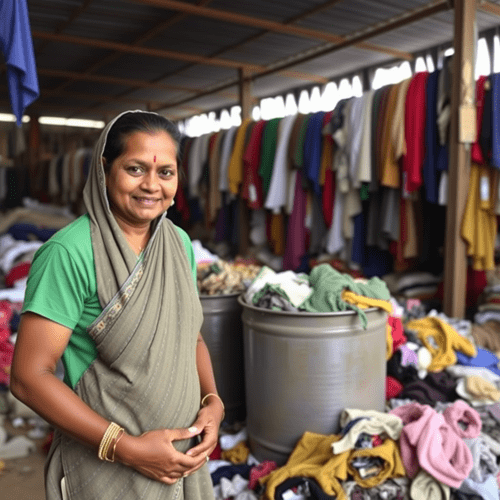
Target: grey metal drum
222 331
303 369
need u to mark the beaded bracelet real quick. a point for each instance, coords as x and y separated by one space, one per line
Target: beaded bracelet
218 397
107 440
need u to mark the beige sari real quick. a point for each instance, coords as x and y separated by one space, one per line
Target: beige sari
145 376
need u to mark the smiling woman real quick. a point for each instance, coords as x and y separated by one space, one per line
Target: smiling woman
139 387
140 188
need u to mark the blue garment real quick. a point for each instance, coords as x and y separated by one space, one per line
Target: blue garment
431 140
17 46
23 231
312 150
484 359
495 120
487 490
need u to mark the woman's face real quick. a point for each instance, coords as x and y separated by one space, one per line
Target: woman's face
142 182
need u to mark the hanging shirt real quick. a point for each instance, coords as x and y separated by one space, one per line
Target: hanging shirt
235 168
415 132
252 183
269 140
276 196
429 170
476 151
495 118
225 157
364 159
312 150
17 46
389 166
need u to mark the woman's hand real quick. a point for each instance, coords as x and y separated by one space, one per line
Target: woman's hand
208 422
154 455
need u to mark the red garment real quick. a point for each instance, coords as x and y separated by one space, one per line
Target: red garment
261 470
476 151
328 199
5 313
17 272
6 355
392 387
397 332
251 163
413 160
216 454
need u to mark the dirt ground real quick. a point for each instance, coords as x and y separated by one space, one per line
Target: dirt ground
22 478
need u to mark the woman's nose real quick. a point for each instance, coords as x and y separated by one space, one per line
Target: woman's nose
150 181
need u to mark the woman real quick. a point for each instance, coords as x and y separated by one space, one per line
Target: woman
114 295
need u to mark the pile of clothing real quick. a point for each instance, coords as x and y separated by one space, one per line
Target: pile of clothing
224 278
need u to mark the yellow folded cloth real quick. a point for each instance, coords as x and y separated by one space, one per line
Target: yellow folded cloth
442 340
238 454
364 303
312 457
388 451
481 388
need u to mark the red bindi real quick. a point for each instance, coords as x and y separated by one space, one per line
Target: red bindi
154 159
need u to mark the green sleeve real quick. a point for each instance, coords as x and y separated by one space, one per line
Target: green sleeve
189 251
56 286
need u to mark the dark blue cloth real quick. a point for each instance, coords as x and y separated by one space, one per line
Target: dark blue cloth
495 119
312 150
430 173
229 471
21 231
17 46
313 490
358 240
484 359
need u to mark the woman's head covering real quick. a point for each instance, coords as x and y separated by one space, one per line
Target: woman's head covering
114 258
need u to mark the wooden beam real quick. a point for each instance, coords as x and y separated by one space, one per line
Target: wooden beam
128 82
145 51
233 17
408 18
455 259
396 22
489 7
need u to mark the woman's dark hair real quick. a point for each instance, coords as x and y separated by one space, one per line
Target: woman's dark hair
131 122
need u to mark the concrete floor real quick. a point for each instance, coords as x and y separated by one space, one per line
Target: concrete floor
22 478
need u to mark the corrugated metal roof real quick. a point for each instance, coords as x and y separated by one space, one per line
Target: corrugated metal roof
81 76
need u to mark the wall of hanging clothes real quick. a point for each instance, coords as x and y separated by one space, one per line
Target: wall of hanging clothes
366 181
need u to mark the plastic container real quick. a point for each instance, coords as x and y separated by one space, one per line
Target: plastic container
222 331
303 369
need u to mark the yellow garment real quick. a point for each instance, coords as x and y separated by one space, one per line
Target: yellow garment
481 388
277 242
448 341
479 225
365 302
312 457
390 175
235 168
238 454
398 121
388 451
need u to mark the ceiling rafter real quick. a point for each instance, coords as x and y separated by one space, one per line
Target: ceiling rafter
128 82
145 51
404 19
290 29
490 7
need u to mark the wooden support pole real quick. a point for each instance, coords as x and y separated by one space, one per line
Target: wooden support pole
455 259
245 95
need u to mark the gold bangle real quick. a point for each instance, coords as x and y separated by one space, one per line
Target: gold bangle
107 439
219 398
120 434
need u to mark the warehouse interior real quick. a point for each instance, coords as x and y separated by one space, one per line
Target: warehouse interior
228 71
